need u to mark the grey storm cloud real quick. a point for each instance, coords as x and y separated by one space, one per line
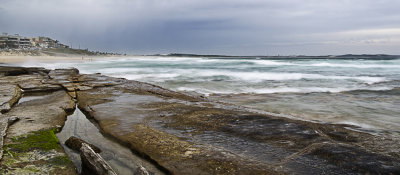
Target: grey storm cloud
235 27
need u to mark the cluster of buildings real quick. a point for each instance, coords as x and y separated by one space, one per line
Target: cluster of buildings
20 42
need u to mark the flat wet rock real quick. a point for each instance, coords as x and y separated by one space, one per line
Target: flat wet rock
191 135
184 134
30 144
41 114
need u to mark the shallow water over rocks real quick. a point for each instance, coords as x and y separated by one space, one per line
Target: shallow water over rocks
375 112
120 158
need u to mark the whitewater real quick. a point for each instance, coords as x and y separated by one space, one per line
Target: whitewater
362 93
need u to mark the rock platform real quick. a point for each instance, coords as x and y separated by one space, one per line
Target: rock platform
185 134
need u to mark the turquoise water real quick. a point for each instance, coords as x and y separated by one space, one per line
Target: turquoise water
363 93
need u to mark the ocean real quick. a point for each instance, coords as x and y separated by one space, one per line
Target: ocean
364 93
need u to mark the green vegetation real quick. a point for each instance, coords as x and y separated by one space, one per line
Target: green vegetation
44 140
31 169
38 152
55 51
60 160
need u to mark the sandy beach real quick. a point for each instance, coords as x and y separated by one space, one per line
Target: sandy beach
22 59
51 56
7 58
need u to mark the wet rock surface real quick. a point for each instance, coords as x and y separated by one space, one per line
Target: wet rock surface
35 153
184 134
119 157
188 135
4 124
30 145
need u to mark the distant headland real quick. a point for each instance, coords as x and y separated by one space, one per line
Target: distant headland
346 56
18 45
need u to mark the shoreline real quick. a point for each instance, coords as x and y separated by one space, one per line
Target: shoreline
15 59
51 59
52 55
295 113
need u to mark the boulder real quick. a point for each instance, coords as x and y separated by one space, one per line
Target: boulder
75 143
93 163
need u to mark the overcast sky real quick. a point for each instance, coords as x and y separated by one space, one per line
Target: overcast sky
234 27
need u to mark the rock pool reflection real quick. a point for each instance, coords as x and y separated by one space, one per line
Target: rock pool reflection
120 158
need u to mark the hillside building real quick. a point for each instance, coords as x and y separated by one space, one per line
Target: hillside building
14 41
19 42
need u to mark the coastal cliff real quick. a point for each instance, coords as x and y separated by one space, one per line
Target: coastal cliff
178 133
